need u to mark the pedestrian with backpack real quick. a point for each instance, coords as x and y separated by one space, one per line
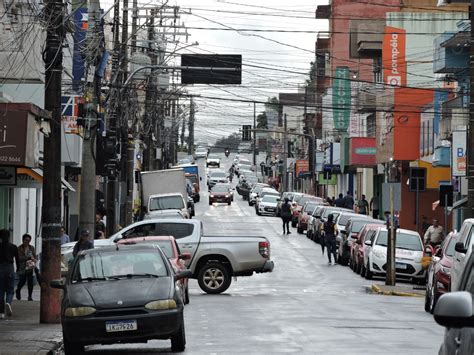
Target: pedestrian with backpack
286 215
329 232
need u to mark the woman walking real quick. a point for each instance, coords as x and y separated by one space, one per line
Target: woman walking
8 256
27 264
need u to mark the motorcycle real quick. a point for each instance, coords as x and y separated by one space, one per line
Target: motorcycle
227 153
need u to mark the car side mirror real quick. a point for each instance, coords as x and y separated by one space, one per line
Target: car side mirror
185 256
454 310
459 247
368 243
119 238
185 274
59 284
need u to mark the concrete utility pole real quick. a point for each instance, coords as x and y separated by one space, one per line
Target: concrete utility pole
285 154
88 177
391 238
470 129
254 134
191 128
50 304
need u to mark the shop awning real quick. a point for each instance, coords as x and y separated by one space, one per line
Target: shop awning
37 175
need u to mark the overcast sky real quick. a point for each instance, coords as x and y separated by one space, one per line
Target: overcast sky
287 62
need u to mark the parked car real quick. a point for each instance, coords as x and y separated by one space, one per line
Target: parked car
255 191
439 272
284 195
200 153
267 205
324 211
213 160
360 248
454 310
408 255
216 176
121 294
242 165
170 248
264 192
312 221
463 250
303 217
220 193
299 202
349 235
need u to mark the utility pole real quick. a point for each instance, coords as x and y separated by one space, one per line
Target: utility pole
191 128
50 304
254 134
470 128
391 238
285 154
88 177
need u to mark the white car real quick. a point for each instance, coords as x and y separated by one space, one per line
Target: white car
264 192
242 165
408 255
215 177
268 205
200 153
254 192
463 250
213 160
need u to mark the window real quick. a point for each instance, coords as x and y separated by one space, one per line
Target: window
403 241
166 203
177 230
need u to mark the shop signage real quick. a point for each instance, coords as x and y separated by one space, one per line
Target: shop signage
7 175
459 153
302 166
362 151
341 99
394 56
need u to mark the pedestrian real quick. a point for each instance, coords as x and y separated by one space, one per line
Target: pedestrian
348 201
64 237
286 215
85 242
329 230
388 220
434 235
374 206
26 267
8 256
363 206
339 202
99 227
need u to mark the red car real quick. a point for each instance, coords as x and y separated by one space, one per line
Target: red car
439 272
299 202
171 249
304 215
356 258
220 193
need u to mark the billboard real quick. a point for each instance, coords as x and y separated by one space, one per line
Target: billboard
394 56
341 99
459 153
302 166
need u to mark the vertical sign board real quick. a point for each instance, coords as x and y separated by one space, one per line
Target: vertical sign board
393 56
341 99
78 59
459 153
397 196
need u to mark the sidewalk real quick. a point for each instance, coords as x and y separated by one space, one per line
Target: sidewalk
404 290
23 334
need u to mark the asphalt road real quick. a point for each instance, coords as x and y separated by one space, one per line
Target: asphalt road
304 306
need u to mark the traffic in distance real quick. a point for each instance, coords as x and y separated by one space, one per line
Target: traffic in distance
137 285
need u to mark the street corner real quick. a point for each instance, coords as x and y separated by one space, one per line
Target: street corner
402 291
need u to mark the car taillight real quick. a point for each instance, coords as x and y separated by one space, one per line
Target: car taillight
264 249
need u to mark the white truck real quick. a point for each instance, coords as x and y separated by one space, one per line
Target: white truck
164 194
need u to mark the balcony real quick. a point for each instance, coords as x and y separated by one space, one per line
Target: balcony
442 156
455 117
451 52
366 99
366 38
323 12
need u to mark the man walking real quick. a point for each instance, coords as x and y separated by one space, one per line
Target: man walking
363 206
339 202
8 257
348 201
374 206
329 231
434 235
286 215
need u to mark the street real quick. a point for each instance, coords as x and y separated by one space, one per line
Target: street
303 306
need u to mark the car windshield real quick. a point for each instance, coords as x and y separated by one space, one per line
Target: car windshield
166 203
213 156
450 248
344 218
177 230
310 207
112 265
303 200
202 150
244 162
270 198
220 188
218 174
358 225
403 241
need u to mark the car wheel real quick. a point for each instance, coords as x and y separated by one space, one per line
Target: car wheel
218 165
228 203
308 234
71 348
428 300
360 269
258 213
433 299
210 202
178 340
368 274
193 213
186 294
214 278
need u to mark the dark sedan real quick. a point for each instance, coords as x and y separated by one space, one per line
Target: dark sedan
121 294
220 193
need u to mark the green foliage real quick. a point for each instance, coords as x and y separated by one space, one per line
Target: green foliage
262 121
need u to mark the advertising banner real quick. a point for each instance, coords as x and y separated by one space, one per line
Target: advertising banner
341 99
78 59
69 112
302 166
394 56
459 153
362 151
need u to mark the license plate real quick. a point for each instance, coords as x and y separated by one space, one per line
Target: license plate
400 266
120 326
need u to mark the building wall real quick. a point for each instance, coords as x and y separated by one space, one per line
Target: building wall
24 214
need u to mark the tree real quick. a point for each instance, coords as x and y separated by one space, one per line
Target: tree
262 120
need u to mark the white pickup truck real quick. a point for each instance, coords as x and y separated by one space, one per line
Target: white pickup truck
214 259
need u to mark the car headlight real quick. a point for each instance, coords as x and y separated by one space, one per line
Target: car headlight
161 304
226 196
379 254
212 196
79 311
418 259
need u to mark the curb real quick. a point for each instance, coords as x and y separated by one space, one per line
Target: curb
376 289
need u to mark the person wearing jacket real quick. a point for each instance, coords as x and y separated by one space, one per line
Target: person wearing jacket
286 215
329 232
8 256
27 264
